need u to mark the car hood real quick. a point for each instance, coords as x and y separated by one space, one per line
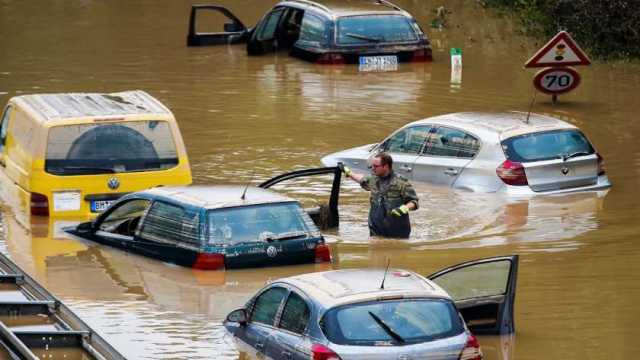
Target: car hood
344 156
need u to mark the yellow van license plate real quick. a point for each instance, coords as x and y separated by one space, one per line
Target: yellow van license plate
100 205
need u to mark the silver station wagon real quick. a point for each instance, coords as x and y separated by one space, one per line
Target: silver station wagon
513 152
379 314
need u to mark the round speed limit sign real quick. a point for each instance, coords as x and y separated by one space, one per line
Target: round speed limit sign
556 80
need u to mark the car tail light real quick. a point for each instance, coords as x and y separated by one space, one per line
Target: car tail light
207 261
330 59
601 168
321 352
39 204
421 55
512 173
323 253
471 350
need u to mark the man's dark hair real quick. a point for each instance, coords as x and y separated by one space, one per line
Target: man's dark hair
385 159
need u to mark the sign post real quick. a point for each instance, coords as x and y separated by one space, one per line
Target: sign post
556 56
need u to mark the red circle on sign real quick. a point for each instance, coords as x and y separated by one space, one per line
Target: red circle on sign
556 80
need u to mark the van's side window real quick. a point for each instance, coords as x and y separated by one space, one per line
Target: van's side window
4 126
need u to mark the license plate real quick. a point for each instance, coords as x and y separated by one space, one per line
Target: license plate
378 63
100 205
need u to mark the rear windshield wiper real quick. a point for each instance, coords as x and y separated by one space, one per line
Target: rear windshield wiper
288 236
84 170
363 37
566 157
386 328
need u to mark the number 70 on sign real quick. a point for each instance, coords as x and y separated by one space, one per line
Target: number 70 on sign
556 80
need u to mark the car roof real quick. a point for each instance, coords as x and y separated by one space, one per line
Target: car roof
338 8
51 107
218 196
501 125
339 287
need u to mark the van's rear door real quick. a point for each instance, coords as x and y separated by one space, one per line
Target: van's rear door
484 291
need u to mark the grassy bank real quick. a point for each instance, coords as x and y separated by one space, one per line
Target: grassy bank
606 29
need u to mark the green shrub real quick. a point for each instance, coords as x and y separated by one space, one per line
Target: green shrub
606 29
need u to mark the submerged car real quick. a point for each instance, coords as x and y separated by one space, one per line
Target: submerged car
366 32
210 227
379 314
513 152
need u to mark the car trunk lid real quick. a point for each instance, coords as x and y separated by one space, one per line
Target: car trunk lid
558 174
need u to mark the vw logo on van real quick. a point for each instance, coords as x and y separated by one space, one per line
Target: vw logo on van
113 183
564 170
272 251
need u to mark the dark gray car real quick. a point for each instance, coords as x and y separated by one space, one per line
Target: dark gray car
378 314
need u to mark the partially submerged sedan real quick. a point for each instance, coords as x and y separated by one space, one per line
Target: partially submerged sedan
210 227
379 314
366 32
515 153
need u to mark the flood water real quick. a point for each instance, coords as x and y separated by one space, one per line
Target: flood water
245 119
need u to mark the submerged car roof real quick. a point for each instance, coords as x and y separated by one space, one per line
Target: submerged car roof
51 107
218 196
338 287
498 125
337 8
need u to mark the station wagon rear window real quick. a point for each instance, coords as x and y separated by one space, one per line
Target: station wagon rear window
267 222
392 322
371 29
548 145
110 148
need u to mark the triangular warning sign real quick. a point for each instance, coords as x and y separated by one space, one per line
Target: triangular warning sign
561 50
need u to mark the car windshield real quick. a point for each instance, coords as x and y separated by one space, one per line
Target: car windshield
559 144
367 29
110 148
392 322
259 223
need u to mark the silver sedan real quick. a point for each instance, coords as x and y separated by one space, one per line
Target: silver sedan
514 152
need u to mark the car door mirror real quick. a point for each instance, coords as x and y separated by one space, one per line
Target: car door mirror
85 227
238 316
233 27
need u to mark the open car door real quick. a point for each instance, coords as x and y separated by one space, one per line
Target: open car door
484 292
234 31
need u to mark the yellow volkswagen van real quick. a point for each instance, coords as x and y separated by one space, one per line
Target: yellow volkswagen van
71 155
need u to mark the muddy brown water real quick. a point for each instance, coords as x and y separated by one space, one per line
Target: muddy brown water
245 119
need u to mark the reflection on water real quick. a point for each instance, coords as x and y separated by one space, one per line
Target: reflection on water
245 119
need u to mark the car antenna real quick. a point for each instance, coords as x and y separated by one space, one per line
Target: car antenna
531 106
244 192
385 274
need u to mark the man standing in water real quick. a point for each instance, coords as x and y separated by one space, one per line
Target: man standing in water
392 197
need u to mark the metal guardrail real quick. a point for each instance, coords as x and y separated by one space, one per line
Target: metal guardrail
69 330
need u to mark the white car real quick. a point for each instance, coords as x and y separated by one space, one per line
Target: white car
513 152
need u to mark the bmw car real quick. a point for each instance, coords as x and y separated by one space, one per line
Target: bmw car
379 313
513 152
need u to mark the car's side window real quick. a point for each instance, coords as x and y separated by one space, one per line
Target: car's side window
312 29
410 140
451 142
124 219
267 304
268 27
295 315
167 222
4 126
